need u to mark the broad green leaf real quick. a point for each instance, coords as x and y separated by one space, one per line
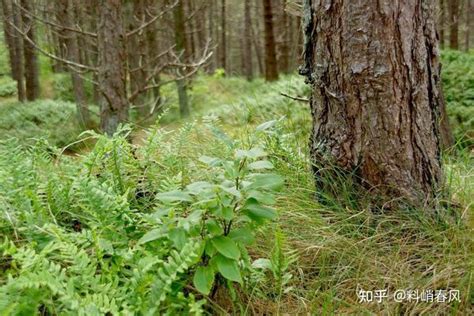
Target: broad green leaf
106 246
267 181
252 153
209 249
226 246
174 196
210 161
178 237
262 197
198 187
213 227
204 279
228 268
258 212
227 213
261 164
232 190
243 235
153 234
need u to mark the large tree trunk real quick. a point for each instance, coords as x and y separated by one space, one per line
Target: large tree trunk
376 93
111 59
15 48
453 24
271 69
29 51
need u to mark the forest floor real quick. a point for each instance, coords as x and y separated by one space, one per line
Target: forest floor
328 251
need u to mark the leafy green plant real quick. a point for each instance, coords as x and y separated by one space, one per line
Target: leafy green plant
224 213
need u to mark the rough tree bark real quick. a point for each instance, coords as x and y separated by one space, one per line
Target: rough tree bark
441 22
29 52
453 24
271 68
111 59
375 76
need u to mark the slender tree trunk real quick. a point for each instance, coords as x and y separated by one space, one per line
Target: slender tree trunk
247 51
223 44
284 62
376 94
67 17
180 37
29 51
137 49
271 68
454 24
257 43
8 34
153 48
15 47
211 35
111 61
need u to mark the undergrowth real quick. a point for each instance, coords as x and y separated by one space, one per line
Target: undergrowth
216 215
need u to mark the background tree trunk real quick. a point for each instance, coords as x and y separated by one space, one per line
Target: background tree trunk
8 34
376 94
248 65
66 18
285 27
469 8
453 24
180 37
29 51
137 49
271 68
223 44
112 56
15 47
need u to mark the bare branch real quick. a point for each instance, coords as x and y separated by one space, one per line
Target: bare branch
148 23
80 31
294 98
48 54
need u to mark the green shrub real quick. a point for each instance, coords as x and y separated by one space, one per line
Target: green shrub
458 87
128 229
52 120
7 87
